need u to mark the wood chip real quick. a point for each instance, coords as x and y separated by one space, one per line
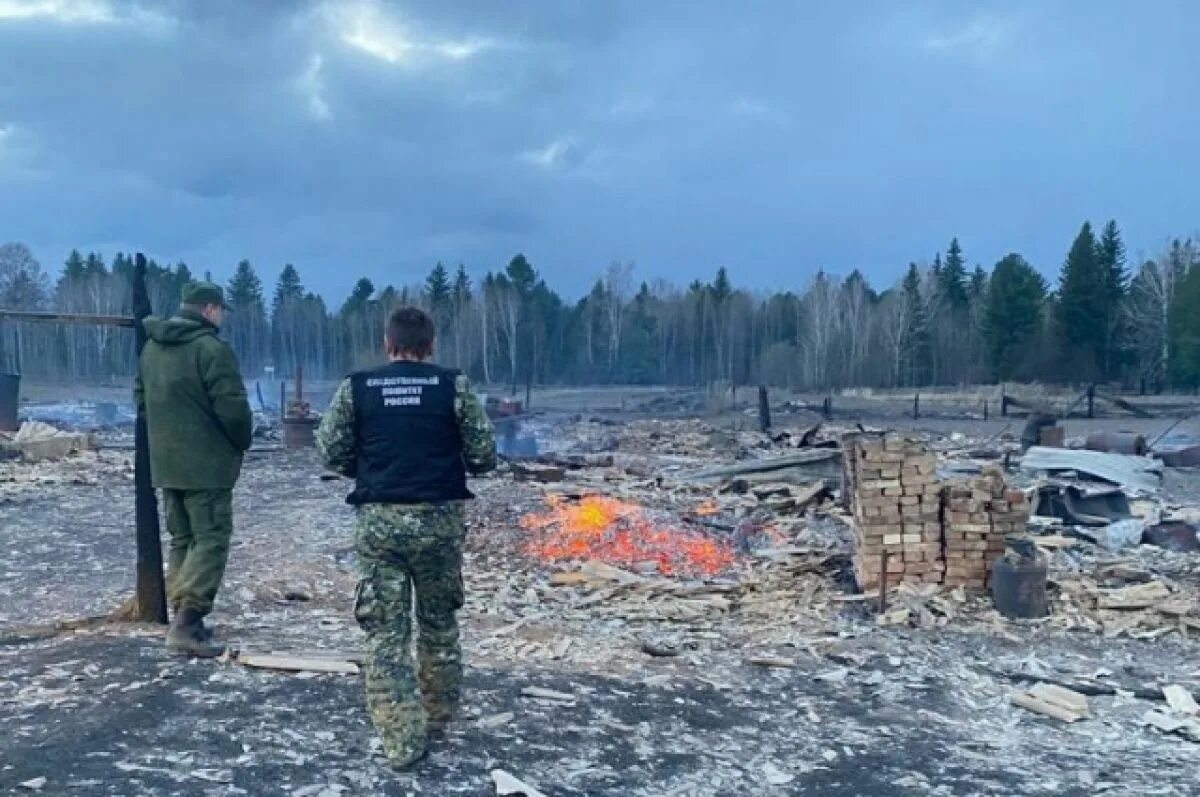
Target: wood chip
297 663
495 720
1180 699
1040 706
1138 596
1061 696
547 694
509 786
771 661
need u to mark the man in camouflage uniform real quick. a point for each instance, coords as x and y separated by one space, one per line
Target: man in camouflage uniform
199 425
408 433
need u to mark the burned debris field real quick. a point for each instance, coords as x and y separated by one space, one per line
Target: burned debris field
661 600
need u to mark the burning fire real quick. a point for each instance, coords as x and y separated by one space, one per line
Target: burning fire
621 533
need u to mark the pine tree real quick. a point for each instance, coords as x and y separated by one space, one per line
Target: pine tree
978 286
287 320
1184 328
359 296
1110 260
1012 314
73 269
94 265
1082 308
247 328
245 289
288 288
438 292
952 278
522 275
462 286
915 342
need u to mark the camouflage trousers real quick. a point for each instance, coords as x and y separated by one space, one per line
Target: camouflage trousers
410 562
200 523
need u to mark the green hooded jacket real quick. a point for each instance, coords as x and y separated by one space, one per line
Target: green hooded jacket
197 415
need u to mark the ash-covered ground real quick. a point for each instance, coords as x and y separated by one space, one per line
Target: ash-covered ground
777 682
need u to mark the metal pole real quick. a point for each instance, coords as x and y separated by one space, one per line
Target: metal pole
883 563
150 598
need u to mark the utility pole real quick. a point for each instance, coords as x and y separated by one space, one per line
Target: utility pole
150 599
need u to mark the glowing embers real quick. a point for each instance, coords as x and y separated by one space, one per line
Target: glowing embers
622 533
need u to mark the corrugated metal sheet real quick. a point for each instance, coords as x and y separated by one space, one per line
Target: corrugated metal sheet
1139 473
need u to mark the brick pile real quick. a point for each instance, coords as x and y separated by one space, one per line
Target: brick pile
894 498
933 532
977 515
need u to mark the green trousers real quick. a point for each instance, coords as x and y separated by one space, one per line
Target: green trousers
200 523
410 564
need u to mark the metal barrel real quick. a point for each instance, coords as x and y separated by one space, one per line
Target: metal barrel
1019 587
299 432
10 399
1117 443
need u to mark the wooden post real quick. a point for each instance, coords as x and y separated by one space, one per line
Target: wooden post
916 405
764 409
827 407
150 598
1142 386
985 409
282 398
1091 401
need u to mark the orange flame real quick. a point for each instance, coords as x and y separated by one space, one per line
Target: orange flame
620 533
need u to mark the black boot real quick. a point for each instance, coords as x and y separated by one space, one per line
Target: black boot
206 632
185 636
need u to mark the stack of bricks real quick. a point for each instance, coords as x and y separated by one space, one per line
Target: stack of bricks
977 515
894 497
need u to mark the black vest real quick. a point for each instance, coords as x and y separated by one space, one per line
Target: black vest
407 436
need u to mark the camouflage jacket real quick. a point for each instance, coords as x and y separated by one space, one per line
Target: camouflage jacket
198 419
336 439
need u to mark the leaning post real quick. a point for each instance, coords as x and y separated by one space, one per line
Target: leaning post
150 598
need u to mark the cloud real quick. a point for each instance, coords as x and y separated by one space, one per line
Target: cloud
980 37
85 12
311 87
559 152
367 27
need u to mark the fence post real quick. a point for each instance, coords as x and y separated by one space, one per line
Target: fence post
150 598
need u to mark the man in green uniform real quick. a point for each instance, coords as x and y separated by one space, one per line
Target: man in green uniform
199 424
408 433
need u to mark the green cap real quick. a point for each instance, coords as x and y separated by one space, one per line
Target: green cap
203 293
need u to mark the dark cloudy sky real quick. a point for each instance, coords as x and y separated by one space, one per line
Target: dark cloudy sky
774 137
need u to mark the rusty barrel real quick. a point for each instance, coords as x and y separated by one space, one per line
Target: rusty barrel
299 432
1117 443
1019 581
10 401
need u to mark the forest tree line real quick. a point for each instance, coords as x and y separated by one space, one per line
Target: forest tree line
1103 320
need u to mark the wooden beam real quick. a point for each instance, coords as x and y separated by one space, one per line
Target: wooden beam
150 599
69 318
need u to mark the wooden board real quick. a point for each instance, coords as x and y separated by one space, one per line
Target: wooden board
266 661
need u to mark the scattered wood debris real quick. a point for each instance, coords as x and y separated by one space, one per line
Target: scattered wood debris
508 785
294 663
1053 701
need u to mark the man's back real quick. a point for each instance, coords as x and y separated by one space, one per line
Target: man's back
197 414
